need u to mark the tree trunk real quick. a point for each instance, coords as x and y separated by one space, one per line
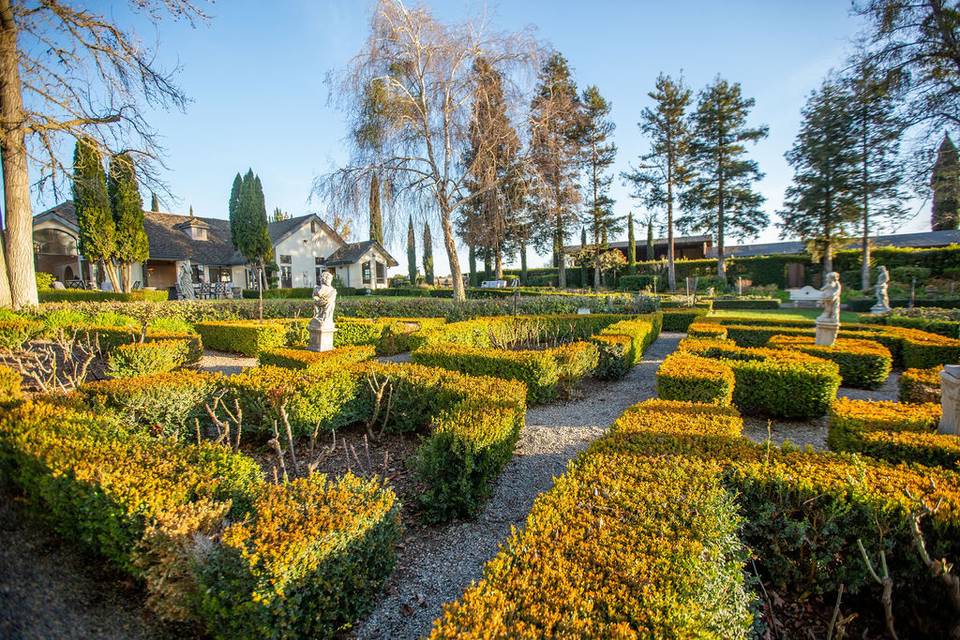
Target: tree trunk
498 262
671 267
721 220
450 244
5 299
561 263
487 266
523 263
472 262
650 252
865 240
16 184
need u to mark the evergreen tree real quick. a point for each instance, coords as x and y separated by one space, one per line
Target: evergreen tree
154 202
472 262
877 129
583 263
411 253
664 171
721 199
427 254
631 246
821 205
376 218
945 183
599 155
127 210
279 215
650 252
233 205
97 235
555 154
249 230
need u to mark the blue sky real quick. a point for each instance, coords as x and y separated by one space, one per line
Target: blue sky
255 74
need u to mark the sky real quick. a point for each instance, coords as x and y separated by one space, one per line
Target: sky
255 75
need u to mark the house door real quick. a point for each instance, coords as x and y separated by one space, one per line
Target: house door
795 275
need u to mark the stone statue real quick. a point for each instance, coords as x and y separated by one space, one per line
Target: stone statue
883 300
325 299
186 284
830 298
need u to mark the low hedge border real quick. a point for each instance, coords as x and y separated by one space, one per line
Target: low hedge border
746 303
770 382
246 337
892 431
802 514
864 364
683 376
920 385
305 359
84 295
679 319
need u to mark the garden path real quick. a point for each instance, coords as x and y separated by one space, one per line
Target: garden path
436 564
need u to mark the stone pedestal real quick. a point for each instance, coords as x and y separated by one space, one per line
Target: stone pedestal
879 309
321 337
826 332
950 399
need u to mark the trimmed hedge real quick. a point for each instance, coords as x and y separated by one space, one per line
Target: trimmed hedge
892 431
746 303
920 385
144 358
84 295
864 364
771 382
246 337
163 403
687 377
10 386
280 574
707 330
679 319
304 359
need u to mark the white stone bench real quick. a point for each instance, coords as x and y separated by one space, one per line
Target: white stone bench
805 296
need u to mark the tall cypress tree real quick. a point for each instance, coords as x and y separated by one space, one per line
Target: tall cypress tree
945 183
249 230
154 202
631 246
127 210
411 253
97 236
376 218
233 205
721 199
427 254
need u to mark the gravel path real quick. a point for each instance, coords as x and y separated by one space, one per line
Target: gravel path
437 564
226 363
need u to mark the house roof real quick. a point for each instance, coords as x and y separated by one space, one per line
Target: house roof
168 241
922 239
353 251
678 240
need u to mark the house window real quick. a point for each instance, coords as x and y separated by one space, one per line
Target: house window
286 272
196 273
320 267
221 274
313 226
381 273
199 233
365 272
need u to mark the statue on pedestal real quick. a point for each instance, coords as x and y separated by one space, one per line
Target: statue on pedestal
883 300
321 327
186 284
828 323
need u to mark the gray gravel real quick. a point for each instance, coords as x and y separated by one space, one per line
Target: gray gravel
226 363
436 564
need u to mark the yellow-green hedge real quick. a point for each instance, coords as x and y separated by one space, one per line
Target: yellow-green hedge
864 364
684 376
246 337
920 385
143 358
10 386
305 359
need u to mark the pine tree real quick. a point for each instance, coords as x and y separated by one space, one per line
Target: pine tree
945 182
97 236
376 218
472 263
664 171
877 129
154 202
820 205
427 254
721 199
411 253
650 252
631 246
599 155
583 264
555 153
127 209
249 230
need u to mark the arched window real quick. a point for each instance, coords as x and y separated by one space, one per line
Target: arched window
54 242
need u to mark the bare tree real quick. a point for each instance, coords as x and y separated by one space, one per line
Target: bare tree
68 73
422 71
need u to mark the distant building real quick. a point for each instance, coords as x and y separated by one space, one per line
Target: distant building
304 247
684 247
919 240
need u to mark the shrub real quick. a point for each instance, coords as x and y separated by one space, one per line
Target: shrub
907 274
44 280
10 391
357 331
84 295
746 303
190 343
864 364
707 330
691 378
892 431
575 361
614 356
247 337
920 385
308 560
304 359
679 319
162 404
15 333
142 358
922 350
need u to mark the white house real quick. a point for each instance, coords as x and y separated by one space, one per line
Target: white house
304 247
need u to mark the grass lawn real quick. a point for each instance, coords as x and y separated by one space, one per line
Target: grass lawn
782 314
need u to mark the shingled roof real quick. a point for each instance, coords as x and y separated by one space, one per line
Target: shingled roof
920 239
353 251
